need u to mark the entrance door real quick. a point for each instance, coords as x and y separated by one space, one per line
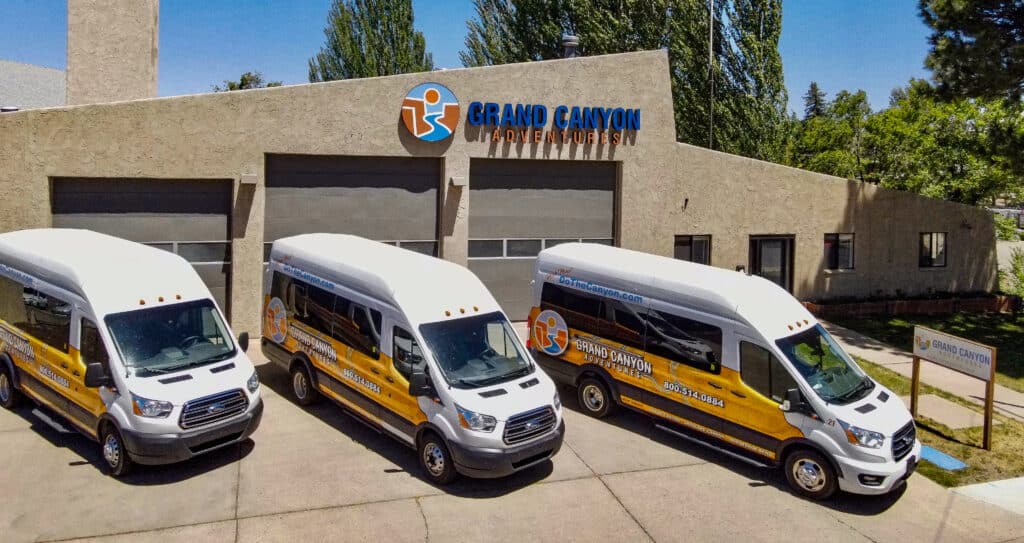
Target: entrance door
771 257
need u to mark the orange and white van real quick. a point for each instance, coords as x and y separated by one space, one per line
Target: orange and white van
413 345
729 360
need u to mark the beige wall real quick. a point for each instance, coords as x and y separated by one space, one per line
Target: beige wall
112 50
226 135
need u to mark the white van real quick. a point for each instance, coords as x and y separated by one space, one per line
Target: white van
414 345
125 343
729 360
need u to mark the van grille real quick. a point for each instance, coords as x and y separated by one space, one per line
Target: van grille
903 441
526 426
210 409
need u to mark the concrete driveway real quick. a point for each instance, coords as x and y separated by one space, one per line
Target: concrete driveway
320 475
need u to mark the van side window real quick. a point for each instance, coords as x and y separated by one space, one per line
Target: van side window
761 371
580 311
330 314
14 303
44 317
628 329
91 345
684 340
408 355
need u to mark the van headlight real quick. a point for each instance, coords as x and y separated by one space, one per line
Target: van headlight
475 421
862 437
557 402
253 383
153 409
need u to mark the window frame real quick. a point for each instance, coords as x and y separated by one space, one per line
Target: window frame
832 253
673 315
690 238
928 260
773 362
99 341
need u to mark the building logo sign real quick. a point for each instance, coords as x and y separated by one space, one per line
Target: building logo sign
533 123
430 112
550 333
955 353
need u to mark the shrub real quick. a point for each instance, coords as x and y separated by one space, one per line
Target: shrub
1006 228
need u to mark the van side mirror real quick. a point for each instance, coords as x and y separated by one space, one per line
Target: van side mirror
243 341
96 376
794 402
420 385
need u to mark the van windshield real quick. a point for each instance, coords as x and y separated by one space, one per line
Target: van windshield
825 366
163 339
476 351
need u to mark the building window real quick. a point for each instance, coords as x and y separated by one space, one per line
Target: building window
933 250
839 251
694 249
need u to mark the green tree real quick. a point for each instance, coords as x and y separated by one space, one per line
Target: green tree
746 115
814 101
369 38
943 149
249 80
977 47
833 142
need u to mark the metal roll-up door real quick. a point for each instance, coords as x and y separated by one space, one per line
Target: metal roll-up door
391 199
518 207
188 217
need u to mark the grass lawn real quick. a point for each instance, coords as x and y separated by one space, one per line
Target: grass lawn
1004 461
1004 332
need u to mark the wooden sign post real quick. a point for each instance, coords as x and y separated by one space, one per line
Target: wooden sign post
961 355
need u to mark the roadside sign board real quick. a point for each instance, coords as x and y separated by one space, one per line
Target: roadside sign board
955 353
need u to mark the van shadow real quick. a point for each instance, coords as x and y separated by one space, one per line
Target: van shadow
58 433
396 452
644 425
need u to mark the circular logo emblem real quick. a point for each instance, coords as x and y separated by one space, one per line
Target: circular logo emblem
550 333
277 320
430 111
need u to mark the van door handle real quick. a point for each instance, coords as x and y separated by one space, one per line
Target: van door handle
737 394
375 370
390 380
64 365
719 387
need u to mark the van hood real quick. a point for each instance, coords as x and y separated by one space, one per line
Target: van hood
880 411
510 398
188 384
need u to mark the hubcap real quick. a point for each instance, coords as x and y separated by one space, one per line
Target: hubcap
809 475
433 458
299 385
593 398
111 450
5 388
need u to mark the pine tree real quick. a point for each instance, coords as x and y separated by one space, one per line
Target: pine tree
814 101
368 38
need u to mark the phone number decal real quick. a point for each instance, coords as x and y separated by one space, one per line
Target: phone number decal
687 392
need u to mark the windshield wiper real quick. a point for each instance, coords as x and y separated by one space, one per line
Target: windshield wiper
865 384
195 363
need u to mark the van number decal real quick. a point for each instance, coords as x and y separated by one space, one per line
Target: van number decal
48 373
613 358
687 392
347 373
16 345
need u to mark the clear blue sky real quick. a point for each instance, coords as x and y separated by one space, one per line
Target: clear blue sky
874 45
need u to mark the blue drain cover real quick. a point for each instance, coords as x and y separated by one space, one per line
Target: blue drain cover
941 459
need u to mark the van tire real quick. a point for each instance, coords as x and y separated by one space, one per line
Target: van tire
810 474
594 398
10 397
302 385
113 450
435 459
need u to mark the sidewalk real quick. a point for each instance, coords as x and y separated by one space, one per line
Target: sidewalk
1007 402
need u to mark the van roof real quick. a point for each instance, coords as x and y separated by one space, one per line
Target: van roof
423 287
111 274
753 300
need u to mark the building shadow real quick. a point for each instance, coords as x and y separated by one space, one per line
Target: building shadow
396 452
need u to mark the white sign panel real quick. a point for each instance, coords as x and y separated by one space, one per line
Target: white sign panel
955 353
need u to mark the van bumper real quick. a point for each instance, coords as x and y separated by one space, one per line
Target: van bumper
155 449
485 463
874 479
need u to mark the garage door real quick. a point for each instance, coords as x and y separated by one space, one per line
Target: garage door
187 217
518 207
386 199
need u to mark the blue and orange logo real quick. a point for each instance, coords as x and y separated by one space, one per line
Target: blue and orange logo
430 111
550 333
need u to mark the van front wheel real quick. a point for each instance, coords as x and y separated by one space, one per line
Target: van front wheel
810 474
594 398
114 452
436 460
9 396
